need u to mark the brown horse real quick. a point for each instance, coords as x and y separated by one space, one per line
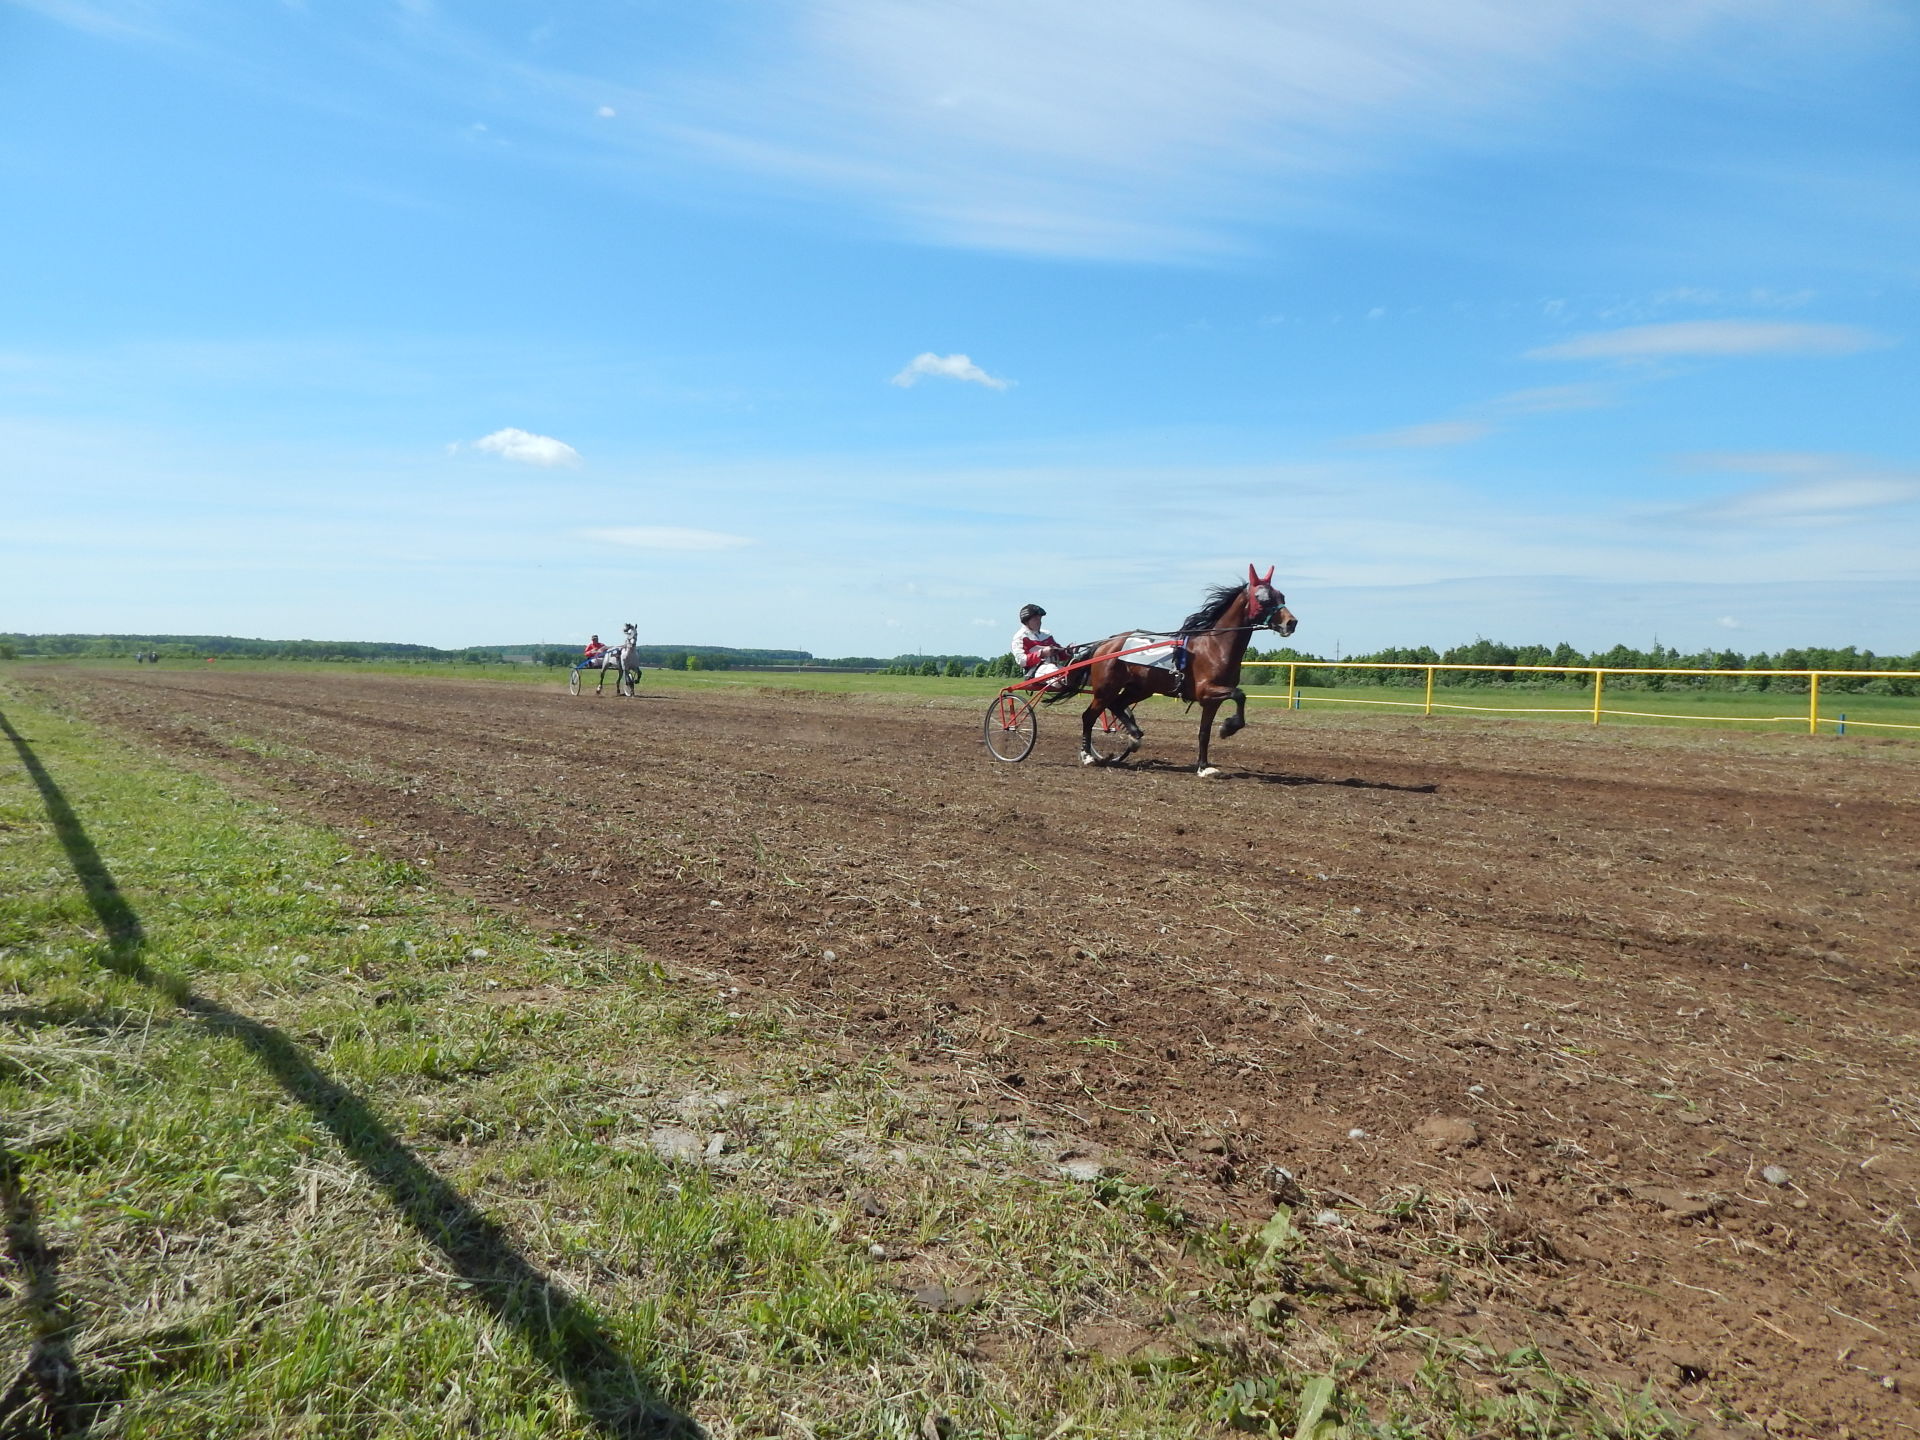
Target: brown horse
1216 638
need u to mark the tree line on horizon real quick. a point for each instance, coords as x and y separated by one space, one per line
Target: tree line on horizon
1320 671
1264 667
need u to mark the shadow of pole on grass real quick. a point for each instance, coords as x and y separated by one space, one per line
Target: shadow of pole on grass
562 1333
48 1398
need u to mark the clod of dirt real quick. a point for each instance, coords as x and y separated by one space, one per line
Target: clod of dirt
1448 1132
716 1146
1283 1187
948 1299
1775 1175
1484 1180
1086 1170
1689 1366
1677 1204
676 1142
693 1107
1128 1344
870 1207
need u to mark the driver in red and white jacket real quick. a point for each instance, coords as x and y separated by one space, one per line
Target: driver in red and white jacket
1037 652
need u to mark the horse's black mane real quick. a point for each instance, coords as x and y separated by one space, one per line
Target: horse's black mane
1217 601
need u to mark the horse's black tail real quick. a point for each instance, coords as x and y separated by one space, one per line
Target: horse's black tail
1076 680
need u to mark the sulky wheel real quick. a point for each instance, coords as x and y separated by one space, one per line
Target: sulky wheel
1011 727
1109 739
573 683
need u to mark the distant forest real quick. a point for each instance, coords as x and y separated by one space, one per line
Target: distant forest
199 647
1264 666
1318 671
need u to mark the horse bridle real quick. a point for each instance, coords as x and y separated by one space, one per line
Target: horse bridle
1259 615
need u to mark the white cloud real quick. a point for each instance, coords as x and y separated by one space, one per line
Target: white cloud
606 112
947 367
1430 436
1712 337
666 537
1727 622
1074 127
1806 488
528 448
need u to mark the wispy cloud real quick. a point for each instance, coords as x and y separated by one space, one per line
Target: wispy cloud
528 448
1479 421
1806 488
666 537
1551 399
1433 435
1066 127
1120 130
946 367
1713 338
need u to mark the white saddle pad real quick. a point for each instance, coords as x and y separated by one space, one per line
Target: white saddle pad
1163 656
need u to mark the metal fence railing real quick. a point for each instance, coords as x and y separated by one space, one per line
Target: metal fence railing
1597 709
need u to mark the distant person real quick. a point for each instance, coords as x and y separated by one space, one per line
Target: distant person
1038 653
593 653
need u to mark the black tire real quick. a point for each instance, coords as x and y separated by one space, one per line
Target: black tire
1010 727
573 682
1109 739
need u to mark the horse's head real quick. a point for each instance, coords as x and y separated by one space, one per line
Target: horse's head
1266 605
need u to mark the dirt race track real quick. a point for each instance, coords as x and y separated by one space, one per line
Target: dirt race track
1588 983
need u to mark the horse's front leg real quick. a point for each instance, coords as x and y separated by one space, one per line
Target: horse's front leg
1237 721
1208 709
1087 719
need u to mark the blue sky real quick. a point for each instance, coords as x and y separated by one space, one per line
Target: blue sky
853 325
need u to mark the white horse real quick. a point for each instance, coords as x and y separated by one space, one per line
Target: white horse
618 659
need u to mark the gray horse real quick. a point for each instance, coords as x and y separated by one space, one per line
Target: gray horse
615 658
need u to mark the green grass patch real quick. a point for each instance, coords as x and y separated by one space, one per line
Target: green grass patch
296 1144
1764 711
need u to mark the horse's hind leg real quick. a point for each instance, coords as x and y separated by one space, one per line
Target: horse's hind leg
1122 710
1237 721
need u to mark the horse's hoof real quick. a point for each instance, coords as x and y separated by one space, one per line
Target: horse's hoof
1208 772
1086 759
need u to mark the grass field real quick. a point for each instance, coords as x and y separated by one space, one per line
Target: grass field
298 1143
1746 710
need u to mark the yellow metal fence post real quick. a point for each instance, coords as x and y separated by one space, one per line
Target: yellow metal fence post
1599 684
1293 672
1429 709
1813 703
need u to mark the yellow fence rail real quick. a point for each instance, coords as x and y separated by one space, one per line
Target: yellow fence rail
1427 705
